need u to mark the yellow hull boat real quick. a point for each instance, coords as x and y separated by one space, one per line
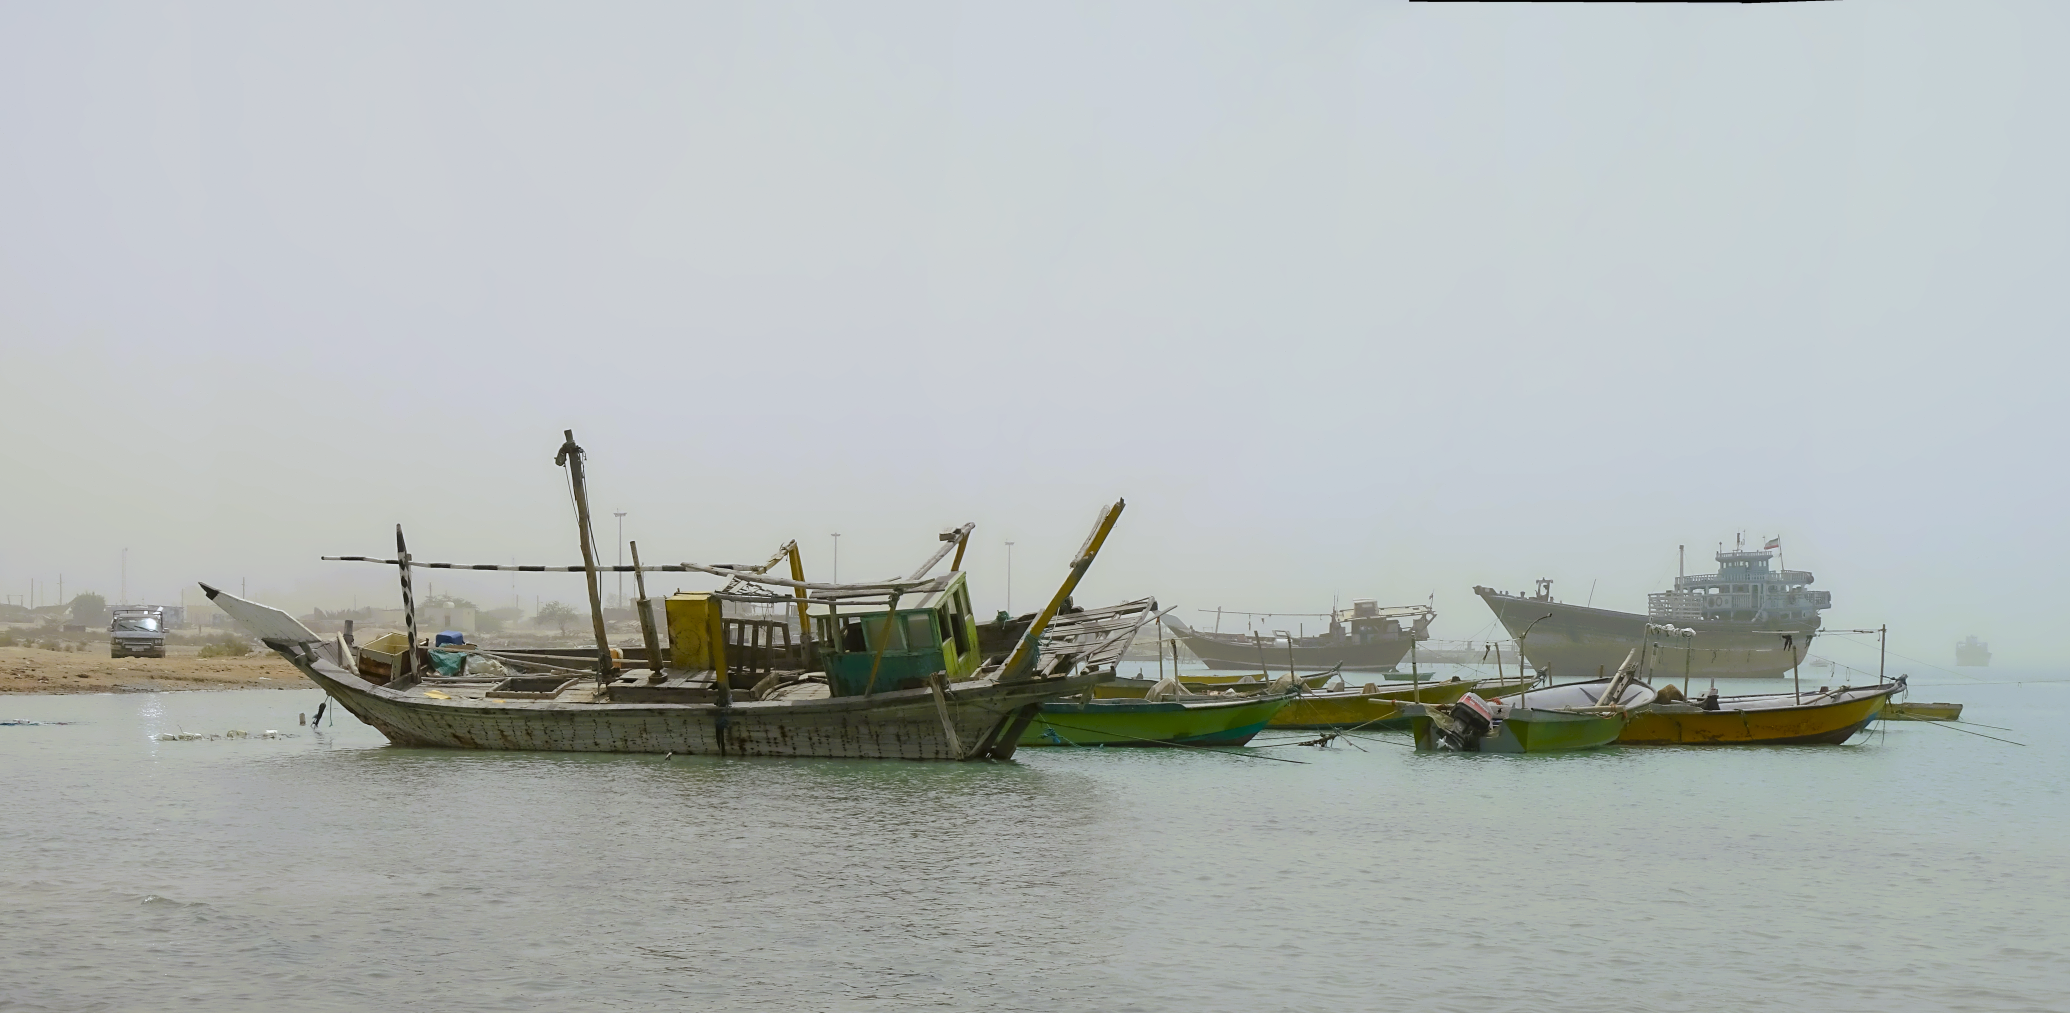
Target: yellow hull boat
1772 720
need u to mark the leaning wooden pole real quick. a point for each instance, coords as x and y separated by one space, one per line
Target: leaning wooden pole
648 634
1021 664
571 457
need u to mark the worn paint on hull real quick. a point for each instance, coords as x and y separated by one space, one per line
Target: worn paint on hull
1575 642
1684 725
901 725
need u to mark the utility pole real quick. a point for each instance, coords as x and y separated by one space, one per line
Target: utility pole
125 577
1009 578
620 514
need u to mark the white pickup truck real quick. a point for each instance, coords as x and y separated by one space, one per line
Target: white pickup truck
137 632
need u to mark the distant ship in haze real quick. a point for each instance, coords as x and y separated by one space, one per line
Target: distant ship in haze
1972 653
1366 637
1751 622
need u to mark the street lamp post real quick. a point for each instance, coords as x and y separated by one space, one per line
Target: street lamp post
837 557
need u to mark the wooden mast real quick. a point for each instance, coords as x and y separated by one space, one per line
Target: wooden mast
570 456
808 649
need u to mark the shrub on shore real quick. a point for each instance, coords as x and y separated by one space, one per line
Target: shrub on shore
225 645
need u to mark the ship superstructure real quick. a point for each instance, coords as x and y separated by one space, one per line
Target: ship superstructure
1743 590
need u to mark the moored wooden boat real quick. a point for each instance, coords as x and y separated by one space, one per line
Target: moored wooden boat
1363 638
1908 710
1551 720
1124 688
893 669
1770 719
1188 721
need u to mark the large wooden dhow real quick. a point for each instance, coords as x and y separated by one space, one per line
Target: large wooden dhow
1363 638
893 669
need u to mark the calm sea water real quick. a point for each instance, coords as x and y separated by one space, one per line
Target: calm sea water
1918 868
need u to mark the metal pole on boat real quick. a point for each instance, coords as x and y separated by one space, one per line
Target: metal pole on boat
1796 668
1160 652
1882 648
570 456
1415 674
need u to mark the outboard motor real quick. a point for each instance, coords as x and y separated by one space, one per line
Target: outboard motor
1461 726
1708 701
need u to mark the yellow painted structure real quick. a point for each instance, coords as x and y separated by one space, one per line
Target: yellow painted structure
1677 724
696 640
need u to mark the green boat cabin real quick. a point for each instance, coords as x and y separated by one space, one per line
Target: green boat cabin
934 633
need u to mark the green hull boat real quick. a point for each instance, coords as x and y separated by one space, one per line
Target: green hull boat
1207 722
1534 731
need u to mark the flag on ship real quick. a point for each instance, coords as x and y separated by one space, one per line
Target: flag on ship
1774 543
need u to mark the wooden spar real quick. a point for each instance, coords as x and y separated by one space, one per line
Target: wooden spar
1615 690
570 456
956 565
646 606
1498 661
952 539
1022 662
809 647
1259 642
402 552
1290 662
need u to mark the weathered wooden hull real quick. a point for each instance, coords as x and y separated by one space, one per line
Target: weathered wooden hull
1816 724
1576 642
1142 723
906 725
1238 654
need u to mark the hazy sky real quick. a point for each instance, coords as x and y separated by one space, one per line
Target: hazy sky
1364 299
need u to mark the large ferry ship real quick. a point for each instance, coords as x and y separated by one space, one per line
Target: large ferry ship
1750 622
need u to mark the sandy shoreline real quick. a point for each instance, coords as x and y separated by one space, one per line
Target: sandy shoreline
33 670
